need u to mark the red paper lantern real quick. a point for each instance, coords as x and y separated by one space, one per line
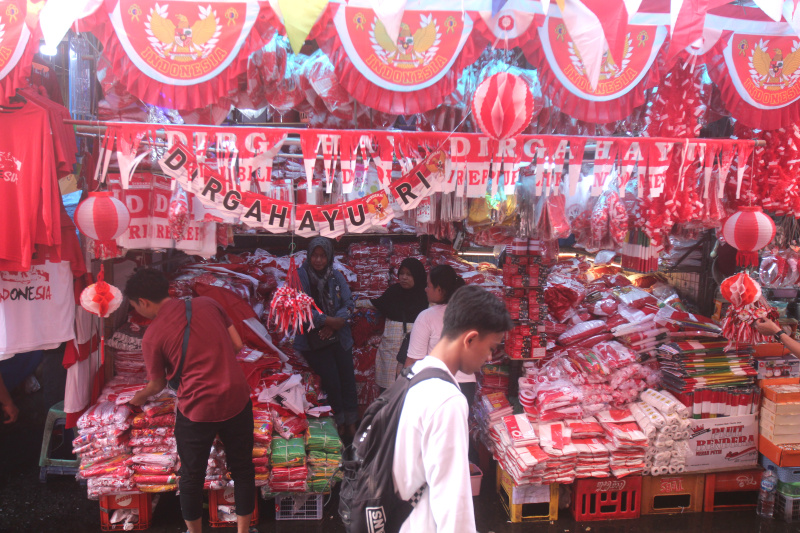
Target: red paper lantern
103 218
748 230
503 105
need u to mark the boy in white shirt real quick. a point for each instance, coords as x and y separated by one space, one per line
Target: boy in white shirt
432 437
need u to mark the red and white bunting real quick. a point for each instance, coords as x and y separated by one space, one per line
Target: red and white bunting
605 156
349 152
630 155
576 150
309 144
743 154
658 164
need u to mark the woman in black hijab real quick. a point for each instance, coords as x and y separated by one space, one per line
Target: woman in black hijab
400 304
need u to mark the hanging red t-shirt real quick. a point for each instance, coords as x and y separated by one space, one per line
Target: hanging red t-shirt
213 386
27 174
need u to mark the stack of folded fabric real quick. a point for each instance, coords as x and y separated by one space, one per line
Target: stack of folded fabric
555 440
625 441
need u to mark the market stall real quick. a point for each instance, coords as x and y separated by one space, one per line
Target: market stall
623 174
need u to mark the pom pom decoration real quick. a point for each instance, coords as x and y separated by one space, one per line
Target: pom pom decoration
748 230
290 309
503 105
103 218
100 298
747 306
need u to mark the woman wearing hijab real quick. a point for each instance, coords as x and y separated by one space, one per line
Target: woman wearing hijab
328 347
400 304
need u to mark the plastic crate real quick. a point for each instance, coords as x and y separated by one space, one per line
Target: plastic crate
138 501
786 508
673 494
224 497
732 491
787 474
789 489
298 507
525 512
606 499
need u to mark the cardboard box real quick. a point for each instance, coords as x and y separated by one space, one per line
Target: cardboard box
783 393
769 417
779 439
780 409
780 454
767 426
720 443
787 366
769 349
777 381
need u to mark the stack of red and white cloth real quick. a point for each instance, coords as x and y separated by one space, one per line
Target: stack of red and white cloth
625 441
555 440
593 456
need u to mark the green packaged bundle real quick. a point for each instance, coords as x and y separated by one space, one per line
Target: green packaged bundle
287 453
322 436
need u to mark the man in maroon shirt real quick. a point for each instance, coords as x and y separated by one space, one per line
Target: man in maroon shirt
213 395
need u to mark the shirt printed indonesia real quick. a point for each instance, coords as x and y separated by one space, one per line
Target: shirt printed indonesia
37 308
431 447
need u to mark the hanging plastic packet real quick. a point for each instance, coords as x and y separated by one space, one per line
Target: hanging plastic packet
178 214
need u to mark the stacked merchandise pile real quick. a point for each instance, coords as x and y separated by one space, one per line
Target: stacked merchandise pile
102 444
626 442
665 421
516 447
710 378
155 453
588 436
371 265
524 275
262 444
130 364
289 468
555 439
324 455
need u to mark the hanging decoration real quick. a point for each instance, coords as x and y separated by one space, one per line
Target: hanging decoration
747 307
622 82
748 230
290 310
757 78
409 75
103 218
100 298
19 42
502 105
181 54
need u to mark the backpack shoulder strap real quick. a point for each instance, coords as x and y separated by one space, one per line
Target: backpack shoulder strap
429 373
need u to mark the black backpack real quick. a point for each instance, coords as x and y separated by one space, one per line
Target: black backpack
367 500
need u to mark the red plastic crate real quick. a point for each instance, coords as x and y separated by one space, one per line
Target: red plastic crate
732 491
606 499
133 500
224 497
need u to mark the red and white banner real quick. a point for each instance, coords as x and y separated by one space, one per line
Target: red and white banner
621 83
423 180
181 54
758 76
410 74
